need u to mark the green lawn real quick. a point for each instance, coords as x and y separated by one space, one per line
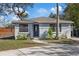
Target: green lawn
14 44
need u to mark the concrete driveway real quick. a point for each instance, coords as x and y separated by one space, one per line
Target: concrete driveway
51 50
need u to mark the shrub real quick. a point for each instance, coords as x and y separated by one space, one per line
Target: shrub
50 34
22 37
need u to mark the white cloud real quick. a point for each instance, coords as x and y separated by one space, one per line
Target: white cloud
2 21
20 9
1 18
16 9
54 9
15 18
42 11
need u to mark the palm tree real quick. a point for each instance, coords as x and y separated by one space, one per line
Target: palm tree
57 22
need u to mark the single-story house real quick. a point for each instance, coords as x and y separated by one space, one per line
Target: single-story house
38 27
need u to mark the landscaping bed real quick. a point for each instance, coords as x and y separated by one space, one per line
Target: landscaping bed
15 44
62 41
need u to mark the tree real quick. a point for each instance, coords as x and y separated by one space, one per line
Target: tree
72 13
57 20
18 9
51 15
8 8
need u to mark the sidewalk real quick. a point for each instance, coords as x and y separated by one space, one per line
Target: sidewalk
9 53
16 52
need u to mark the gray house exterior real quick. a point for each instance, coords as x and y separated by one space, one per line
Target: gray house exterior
38 27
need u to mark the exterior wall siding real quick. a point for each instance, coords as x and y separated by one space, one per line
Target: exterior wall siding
16 30
20 33
66 30
43 29
30 29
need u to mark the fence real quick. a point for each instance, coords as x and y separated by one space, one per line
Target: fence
6 31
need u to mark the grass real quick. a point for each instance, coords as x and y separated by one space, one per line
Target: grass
62 41
15 44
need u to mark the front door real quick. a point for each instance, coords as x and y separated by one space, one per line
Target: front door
36 30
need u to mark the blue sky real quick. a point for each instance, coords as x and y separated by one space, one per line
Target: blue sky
40 10
44 9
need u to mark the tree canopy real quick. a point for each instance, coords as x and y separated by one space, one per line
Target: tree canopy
51 15
8 8
18 9
72 13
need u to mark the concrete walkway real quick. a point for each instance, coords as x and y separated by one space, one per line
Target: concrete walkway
51 50
39 41
75 38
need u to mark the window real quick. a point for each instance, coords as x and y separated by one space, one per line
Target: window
23 28
60 27
53 26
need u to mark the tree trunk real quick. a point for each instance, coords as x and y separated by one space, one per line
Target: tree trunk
57 22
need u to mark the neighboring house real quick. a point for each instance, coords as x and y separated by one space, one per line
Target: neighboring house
38 27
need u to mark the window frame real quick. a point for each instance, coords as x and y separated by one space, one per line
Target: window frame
53 26
60 29
23 27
